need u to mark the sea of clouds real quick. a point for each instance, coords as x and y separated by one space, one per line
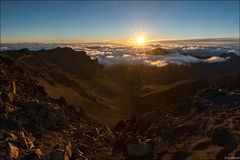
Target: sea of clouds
181 52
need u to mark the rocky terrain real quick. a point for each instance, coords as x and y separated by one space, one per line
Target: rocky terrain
34 126
203 124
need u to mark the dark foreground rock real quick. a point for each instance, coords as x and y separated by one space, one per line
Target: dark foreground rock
209 130
34 126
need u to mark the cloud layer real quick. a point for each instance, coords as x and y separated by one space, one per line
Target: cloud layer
181 52
158 61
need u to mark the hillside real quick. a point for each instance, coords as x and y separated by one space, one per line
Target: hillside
203 123
115 93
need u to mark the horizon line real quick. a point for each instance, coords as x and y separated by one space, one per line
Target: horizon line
125 41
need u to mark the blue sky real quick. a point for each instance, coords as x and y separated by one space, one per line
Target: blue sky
79 21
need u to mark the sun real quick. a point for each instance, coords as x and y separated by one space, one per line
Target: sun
140 40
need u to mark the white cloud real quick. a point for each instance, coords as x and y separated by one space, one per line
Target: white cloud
110 56
215 59
156 63
181 59
126 55
94 52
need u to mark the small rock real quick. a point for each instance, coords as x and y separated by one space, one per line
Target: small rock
60 154
110 133
68 150
223 91
25 141
13 87
13 136
80 155
13 151
38 152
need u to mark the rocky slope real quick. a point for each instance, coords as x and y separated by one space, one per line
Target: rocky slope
204 126
72 74
110 94
33 125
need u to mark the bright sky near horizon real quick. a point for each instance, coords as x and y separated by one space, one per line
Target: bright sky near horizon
84 21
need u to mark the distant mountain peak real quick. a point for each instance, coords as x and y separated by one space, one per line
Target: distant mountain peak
69 49
157 51
22 51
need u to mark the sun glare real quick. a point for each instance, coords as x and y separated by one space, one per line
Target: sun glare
140 40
